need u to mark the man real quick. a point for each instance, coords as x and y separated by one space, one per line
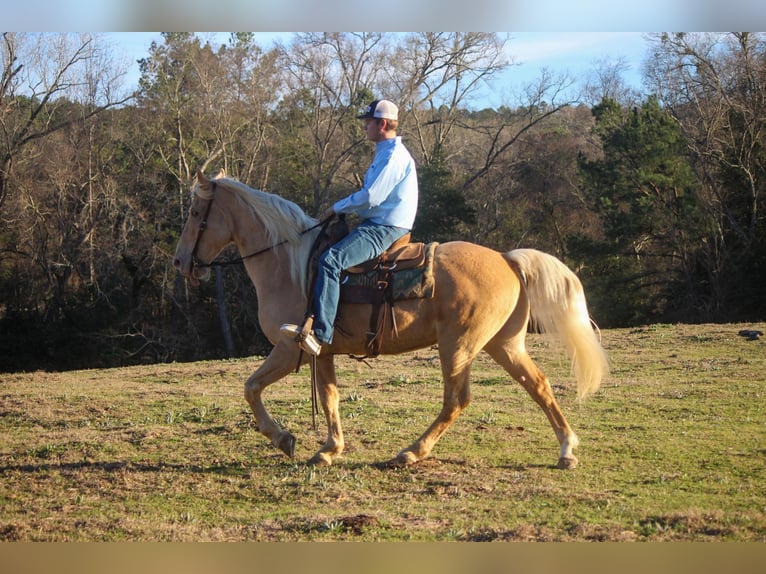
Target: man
386 205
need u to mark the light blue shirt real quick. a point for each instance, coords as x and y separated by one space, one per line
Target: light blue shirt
390 192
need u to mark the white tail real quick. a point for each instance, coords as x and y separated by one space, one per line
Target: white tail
557 305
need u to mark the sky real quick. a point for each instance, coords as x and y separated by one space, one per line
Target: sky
485 15
562 35
573 53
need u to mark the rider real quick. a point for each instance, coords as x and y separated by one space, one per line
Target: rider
386 205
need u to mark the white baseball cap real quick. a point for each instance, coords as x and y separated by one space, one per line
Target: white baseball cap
382 109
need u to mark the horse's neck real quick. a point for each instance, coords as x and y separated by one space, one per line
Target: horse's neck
269 270
280 299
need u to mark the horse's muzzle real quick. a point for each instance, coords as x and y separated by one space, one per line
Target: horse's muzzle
194 272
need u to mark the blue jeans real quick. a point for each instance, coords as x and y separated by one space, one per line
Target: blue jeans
366 241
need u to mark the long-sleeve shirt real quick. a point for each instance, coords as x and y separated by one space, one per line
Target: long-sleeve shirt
389 195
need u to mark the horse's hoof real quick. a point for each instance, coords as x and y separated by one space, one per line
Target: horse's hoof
404 458
320 459
287 444
567 463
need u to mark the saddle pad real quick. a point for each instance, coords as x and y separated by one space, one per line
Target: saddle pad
400 284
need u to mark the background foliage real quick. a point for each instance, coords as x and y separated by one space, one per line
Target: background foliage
655 199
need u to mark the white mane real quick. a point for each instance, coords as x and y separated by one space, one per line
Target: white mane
282 221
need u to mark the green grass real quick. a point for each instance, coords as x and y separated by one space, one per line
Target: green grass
672 449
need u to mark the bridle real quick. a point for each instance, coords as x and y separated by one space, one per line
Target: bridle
198 263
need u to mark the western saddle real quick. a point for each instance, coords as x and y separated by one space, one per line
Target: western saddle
376 283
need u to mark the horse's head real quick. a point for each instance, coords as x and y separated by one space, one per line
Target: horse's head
205 234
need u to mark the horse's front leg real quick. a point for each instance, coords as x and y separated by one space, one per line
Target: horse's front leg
280 362
327 390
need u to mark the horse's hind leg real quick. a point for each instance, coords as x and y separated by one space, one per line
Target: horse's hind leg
521 367
456 368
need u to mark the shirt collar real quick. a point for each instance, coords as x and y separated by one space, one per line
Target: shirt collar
388 142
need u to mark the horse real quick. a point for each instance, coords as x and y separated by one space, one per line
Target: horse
483 300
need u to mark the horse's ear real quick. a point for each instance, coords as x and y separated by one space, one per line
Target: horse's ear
220 174
201 179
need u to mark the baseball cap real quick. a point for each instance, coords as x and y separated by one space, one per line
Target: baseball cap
380 109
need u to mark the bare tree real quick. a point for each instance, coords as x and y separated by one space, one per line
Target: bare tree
329 77
541 100
715 87
40 74
237 88
605 81
435 75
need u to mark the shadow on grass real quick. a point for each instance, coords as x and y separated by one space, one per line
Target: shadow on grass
233 468
238 468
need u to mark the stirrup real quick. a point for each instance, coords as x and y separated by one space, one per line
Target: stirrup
306 329
303 335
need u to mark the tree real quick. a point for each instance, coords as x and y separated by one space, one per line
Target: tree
491 154
329 78
205 105
714 86
434 76
658 203
56 192
41 73
604 81
170 92
442 208
645 193
550 206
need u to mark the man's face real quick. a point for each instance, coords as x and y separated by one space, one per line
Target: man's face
374 129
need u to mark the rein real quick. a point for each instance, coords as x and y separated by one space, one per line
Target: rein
196 262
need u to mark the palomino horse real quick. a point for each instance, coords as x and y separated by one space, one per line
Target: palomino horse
482 301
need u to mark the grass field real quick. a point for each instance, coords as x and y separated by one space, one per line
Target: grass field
672 449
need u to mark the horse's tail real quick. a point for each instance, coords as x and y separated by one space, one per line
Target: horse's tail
557 305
